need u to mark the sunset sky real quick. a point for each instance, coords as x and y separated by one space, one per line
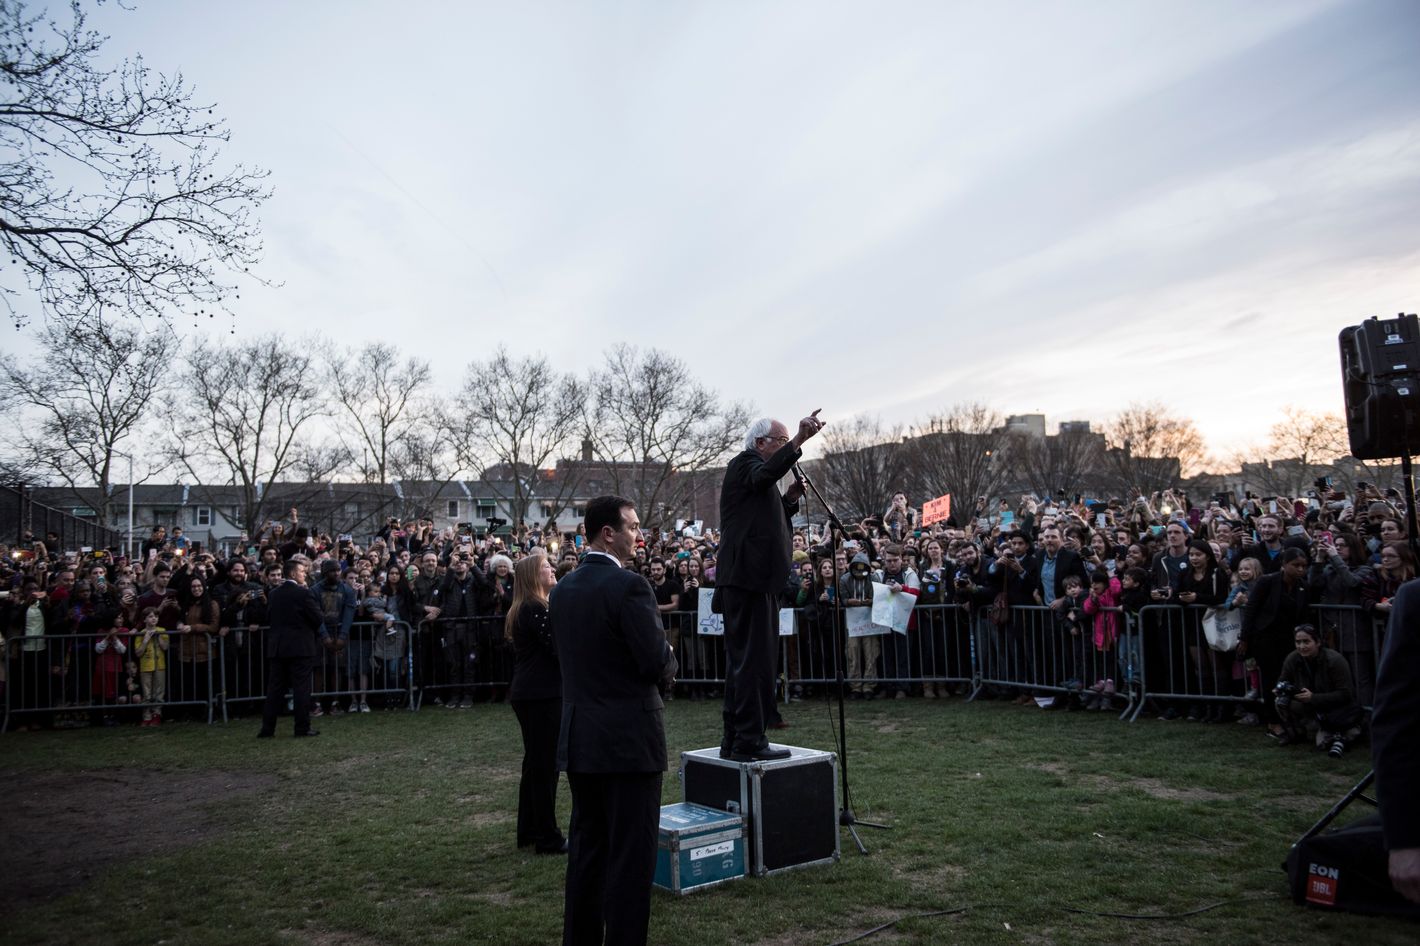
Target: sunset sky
864 207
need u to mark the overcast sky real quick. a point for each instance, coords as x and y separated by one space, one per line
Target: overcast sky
881 207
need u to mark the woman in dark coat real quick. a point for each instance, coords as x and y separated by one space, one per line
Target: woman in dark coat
1278 603
536 697
1205 585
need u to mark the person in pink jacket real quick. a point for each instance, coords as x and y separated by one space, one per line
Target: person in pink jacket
1102 599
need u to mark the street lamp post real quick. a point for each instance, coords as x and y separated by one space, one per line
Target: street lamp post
128 546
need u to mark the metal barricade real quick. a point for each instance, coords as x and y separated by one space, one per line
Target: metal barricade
1357 635
701 657
376 661
1038 651
74 680
940 646
1181 665
458 659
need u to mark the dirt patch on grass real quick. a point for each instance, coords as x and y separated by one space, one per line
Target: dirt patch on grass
1154 788
1157 789
61 829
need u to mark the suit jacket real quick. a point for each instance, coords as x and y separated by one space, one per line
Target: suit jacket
613 654
1395 723
295 621
756 551
1067 562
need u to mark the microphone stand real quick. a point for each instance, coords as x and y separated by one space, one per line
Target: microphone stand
846 818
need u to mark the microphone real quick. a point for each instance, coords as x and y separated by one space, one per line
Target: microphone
799 477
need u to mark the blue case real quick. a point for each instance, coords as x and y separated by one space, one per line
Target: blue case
698 847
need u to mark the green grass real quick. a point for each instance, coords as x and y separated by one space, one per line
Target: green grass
398 828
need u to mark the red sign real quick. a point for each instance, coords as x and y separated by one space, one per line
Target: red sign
1321 885
935 510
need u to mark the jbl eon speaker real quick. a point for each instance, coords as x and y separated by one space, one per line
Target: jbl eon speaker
1380 370
1346 869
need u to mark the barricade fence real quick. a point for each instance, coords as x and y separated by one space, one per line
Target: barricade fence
376 661
1037 651
1189 671
458 660
1161 656
70 680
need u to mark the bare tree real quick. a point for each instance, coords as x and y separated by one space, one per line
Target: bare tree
1303 446
961 451
653 426
113 199
1062 462
91 392
245 416
517 414
377 394
862 465
1151 449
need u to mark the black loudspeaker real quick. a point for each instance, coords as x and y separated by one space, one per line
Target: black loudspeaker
1380 371
1346 869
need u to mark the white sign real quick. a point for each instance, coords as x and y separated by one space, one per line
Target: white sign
860 623
892 609
709 624
889 613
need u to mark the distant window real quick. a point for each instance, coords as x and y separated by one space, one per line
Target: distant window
547 511
202 515
453 509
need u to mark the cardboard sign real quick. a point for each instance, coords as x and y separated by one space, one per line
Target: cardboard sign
935 510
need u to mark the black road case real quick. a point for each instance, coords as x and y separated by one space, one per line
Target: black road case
790 806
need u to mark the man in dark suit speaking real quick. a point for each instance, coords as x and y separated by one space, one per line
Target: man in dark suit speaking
296 628
752 564
614 657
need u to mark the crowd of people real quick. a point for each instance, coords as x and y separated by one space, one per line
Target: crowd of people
1035 595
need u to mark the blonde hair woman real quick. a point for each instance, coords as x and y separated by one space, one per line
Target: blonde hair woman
536 697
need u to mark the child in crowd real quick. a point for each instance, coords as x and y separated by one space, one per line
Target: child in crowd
1244 579
108 671
1072 615
150 646
1105 592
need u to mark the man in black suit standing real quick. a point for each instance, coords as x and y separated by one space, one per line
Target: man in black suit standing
612 745
295 631
1395 733
753 562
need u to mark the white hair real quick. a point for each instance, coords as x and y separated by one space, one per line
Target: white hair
759 428
497 560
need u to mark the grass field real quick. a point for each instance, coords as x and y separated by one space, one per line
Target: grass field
398 828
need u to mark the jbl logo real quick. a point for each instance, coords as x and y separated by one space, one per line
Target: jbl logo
1322 884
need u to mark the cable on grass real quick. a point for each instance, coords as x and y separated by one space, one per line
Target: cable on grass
1117 916
892 923
1176 916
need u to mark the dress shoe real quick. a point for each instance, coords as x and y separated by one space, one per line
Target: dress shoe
766 754
562 848
779 724
265 735
308 732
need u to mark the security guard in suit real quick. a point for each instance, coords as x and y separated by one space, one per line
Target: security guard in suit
296 631
612 742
